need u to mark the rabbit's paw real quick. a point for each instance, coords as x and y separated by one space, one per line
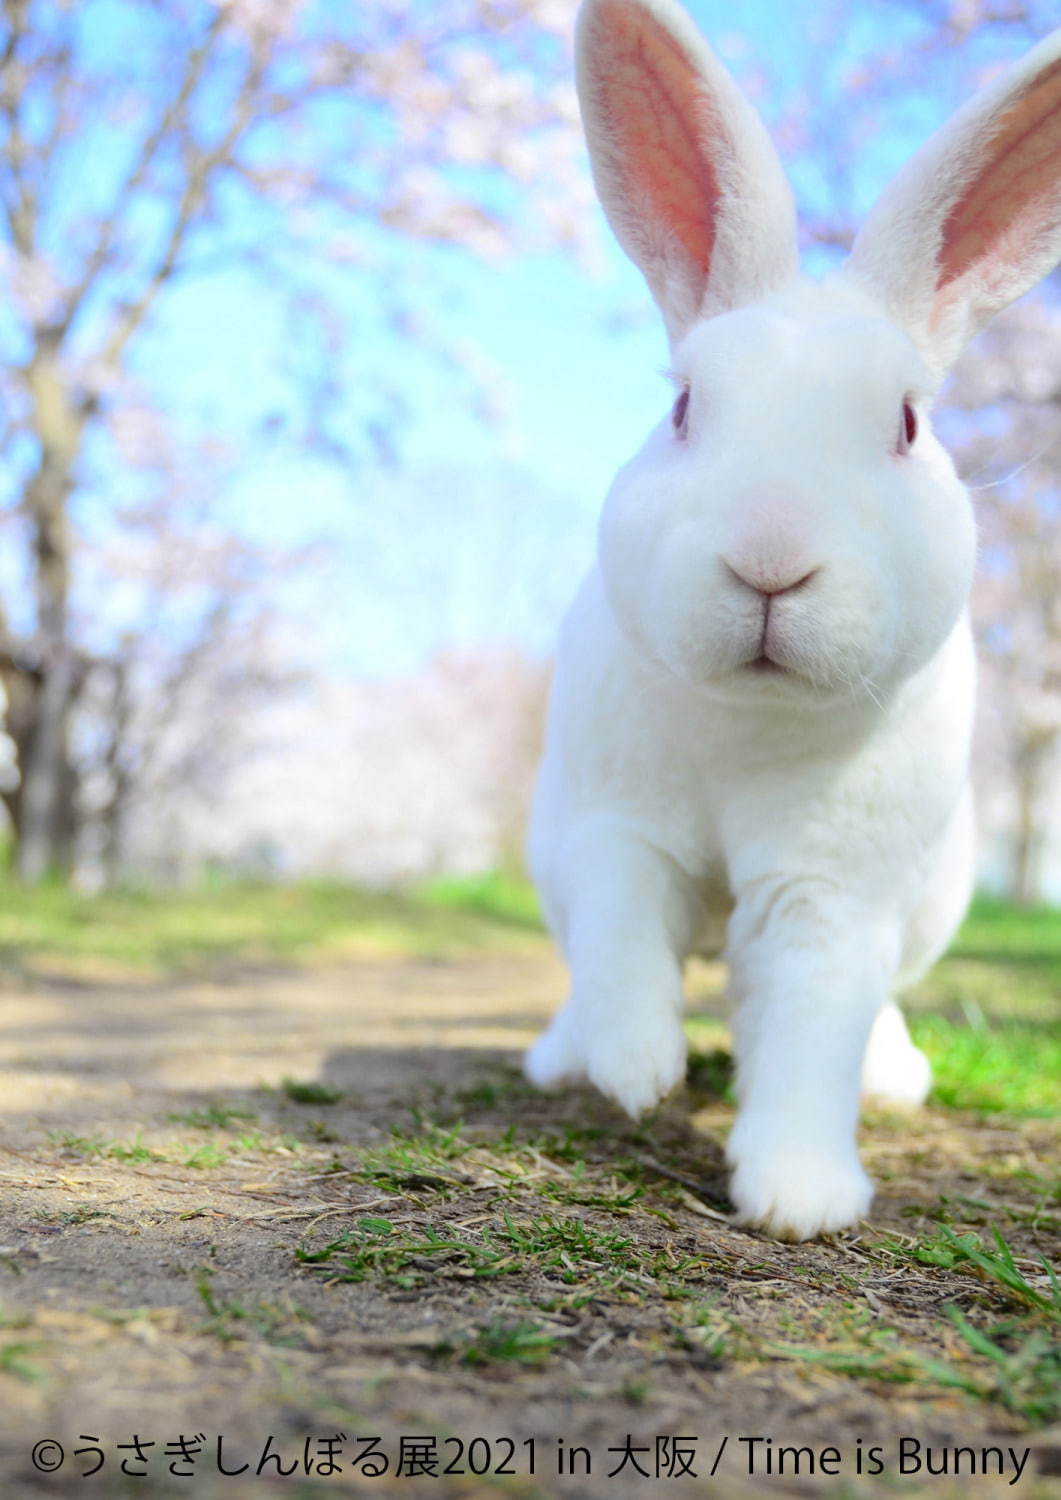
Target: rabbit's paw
554 1059
637 1065
895 1072
795 1195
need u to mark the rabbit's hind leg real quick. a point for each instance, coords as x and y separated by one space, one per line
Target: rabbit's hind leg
894 1071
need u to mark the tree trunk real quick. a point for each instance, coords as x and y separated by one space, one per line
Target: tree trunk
22 681
47 779
116 813
46 776
1032 755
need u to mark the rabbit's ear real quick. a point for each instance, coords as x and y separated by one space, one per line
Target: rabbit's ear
687 175
974 219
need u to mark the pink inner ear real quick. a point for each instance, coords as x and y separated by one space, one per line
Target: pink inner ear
1012 197
654 112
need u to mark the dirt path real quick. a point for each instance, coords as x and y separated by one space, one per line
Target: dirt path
527 1271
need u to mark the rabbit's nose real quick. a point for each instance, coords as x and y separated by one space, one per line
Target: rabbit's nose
770 582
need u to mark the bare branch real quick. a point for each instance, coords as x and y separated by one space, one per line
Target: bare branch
22 213
172 121
201 166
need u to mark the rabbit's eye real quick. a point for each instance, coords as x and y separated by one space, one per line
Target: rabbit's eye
907 428
680 415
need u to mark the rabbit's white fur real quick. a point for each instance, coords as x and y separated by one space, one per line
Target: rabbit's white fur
764 689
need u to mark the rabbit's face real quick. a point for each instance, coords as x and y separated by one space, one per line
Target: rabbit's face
792 528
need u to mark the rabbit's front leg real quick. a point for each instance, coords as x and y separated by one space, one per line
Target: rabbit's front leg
809 972
626 914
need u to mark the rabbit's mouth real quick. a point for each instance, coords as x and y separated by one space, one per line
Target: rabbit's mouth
766 664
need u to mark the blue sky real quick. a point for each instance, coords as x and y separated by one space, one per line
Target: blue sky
480 532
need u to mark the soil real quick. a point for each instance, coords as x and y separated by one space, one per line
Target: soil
143 1297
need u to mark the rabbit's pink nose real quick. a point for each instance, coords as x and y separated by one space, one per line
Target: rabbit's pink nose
771 581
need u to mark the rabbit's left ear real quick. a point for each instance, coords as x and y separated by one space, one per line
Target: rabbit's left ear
974 219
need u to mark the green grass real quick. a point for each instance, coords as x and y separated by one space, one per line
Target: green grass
995 1264
989 1016
1025 1380
214 1116
94 1146
435 1159
502 896
230 1320
502 1342
995 929
993 1067
53 927
578 1262
84 1213
310 1092
17 1359
375 1248
201 1157
1014 1359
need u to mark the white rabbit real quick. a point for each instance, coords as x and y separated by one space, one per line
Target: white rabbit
764 689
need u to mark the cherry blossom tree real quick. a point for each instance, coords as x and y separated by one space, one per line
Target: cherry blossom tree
382 780
1005 427
139 145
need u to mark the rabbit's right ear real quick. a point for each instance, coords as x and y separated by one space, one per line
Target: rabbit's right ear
686 173
974 219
